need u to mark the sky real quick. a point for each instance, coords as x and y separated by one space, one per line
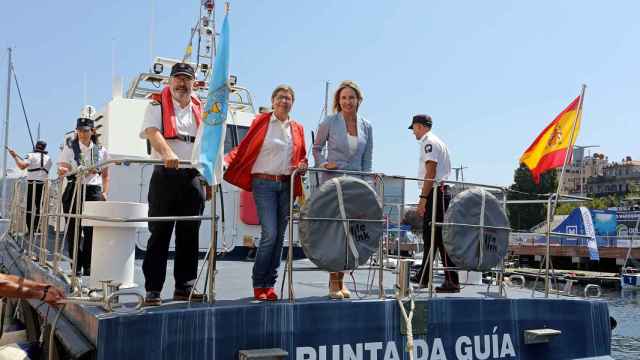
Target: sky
492 74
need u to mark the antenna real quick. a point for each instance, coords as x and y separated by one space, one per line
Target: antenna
460 172
152 29
113 57
325 106
84 88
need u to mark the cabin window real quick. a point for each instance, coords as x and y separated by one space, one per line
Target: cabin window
234 135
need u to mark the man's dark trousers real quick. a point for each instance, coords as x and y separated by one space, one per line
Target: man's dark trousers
443 199
31 186
92 193
173 193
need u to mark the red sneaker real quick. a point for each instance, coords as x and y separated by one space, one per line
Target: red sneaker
270 294
260 294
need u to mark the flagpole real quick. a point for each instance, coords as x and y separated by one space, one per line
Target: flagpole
554 197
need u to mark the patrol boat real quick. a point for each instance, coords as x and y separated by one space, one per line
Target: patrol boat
387 318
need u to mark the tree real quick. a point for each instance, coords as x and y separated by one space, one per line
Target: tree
525 216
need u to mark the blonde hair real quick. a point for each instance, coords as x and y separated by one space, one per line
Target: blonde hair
346 84
283 87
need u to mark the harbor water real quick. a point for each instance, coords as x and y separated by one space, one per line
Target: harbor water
624 306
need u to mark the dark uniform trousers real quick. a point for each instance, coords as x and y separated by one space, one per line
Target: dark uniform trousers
31 186
173 193
93 193
443 198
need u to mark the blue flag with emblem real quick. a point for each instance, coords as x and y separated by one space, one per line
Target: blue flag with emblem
208 149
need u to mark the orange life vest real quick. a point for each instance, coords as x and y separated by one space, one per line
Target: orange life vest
169 129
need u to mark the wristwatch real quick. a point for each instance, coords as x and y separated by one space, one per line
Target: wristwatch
44 292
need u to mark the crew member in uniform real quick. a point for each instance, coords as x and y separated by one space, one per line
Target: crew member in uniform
37 164
170 124
84 150
434 164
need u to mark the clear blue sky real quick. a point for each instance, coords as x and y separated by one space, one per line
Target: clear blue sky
491 73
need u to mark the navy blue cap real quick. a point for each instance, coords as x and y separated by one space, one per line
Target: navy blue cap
421 119
84 123
182 69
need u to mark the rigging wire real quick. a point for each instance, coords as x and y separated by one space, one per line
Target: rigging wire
24 111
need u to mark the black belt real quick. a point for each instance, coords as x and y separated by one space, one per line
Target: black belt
38 169
179 171
186 138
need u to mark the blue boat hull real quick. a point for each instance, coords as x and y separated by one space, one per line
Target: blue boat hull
455 329
466 328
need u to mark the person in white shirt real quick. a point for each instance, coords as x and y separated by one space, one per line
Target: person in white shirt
37 164
83 150
263 163
434 164
170 125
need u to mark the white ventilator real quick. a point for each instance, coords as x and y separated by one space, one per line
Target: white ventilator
88 112
113 249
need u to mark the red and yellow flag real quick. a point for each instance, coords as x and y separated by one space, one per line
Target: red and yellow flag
549 149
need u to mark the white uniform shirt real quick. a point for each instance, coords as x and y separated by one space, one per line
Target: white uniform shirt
275 155
38 160
87 158
433 149
185 125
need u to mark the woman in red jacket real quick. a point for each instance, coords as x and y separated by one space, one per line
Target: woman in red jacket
263 163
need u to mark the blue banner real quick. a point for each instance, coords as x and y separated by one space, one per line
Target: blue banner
209 145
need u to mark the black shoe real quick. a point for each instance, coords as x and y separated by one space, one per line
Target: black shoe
416 278
448 288
183 295
152 299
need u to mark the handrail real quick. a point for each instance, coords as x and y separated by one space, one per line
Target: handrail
17 210
43 252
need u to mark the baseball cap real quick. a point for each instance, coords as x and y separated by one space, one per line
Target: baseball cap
182 69
421 119
84 123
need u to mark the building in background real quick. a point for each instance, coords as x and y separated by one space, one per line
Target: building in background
616 178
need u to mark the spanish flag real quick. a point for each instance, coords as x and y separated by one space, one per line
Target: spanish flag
549 149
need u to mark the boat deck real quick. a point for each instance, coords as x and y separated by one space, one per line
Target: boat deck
315 327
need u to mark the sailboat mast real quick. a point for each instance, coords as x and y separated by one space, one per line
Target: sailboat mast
6 137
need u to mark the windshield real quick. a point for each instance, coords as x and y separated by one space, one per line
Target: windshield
234 135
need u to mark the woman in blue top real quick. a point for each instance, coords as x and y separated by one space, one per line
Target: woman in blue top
348 139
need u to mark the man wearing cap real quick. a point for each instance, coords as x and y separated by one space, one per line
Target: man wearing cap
37 164
83 150
434 163
170 125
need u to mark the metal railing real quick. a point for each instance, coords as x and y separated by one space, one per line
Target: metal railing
289 269
35 245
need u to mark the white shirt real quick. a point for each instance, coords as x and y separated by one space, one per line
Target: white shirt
185 125
36 162
433 149
88 158
275 155
353 144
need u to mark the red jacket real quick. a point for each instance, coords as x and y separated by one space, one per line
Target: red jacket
241 159
169 129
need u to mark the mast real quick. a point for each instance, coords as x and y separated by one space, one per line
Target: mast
6 136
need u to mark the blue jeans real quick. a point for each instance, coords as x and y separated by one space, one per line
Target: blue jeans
272 203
